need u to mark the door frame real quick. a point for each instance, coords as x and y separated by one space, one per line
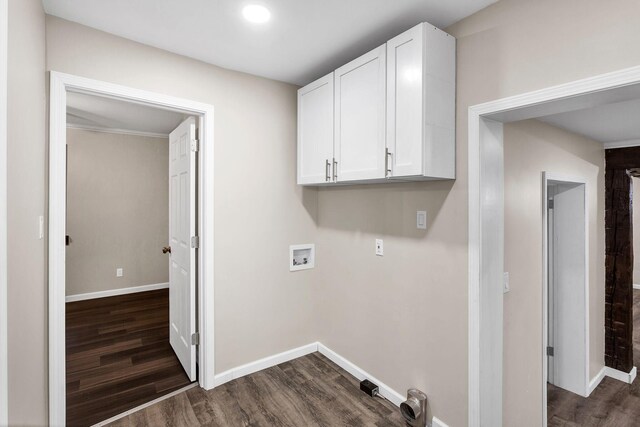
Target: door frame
486 220
546 177
60 84
4 371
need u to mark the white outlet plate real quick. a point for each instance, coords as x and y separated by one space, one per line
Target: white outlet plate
379 247
119 272
421 220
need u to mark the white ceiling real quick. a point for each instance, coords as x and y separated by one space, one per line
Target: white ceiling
96 112
607 123
304 40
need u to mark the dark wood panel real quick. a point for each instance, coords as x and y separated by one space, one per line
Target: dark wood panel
309 391
118 355
620 165
612 404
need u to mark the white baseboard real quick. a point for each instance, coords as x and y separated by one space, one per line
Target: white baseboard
636 286
114 292
264 363
595 381
625 377
386 391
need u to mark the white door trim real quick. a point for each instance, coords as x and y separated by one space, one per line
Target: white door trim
4 371
59 85
546 177
486 223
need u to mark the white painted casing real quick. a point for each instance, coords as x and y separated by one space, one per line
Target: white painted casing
421 90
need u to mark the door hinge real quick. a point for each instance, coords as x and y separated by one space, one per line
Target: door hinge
195 242
550 204
195 338
195 145
549 351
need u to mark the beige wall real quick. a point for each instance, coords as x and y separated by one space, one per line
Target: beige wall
531 147
261 308
117 210
27 294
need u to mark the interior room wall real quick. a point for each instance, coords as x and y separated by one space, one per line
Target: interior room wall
26 161
531 147
117 210
261 308
635 182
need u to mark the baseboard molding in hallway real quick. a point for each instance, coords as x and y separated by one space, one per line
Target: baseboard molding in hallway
625 377
116 292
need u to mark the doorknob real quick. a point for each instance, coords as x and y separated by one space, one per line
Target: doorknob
166 249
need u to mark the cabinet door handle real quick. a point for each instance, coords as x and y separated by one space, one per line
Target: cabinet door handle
335 170
327 176
387 163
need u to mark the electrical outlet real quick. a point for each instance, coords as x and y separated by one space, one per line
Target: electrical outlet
119 272
379 247
505 283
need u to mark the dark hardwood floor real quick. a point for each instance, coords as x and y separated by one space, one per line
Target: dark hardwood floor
309 391
612 404
118 355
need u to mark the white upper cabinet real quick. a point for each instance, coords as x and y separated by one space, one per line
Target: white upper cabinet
388 115
421 76
360 117
315 132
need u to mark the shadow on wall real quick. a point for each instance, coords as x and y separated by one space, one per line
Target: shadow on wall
382 208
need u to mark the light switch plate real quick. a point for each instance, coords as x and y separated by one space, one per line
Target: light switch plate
505 282
41 227
421 220
119 272
379 247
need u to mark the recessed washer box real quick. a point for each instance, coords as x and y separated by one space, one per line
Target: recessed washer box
302 257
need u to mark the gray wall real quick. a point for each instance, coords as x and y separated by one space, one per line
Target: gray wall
117 210
26 159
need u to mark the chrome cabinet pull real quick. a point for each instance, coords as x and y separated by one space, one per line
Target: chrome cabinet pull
327 176
387 163
335 170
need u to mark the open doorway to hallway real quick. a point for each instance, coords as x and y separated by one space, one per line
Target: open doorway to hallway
130 258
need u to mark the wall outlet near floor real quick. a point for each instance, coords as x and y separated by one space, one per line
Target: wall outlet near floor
379 247
119 272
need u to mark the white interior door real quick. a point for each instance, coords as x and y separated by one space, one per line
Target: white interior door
569 288
182 228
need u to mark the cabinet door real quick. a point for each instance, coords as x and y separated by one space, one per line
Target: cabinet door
360 117
315 131
405 110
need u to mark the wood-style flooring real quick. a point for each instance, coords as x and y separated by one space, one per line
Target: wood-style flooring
308 391
612 404
118 355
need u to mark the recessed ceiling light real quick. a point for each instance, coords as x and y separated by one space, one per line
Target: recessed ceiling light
256 13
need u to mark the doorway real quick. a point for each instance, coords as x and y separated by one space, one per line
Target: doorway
194 325
567 300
